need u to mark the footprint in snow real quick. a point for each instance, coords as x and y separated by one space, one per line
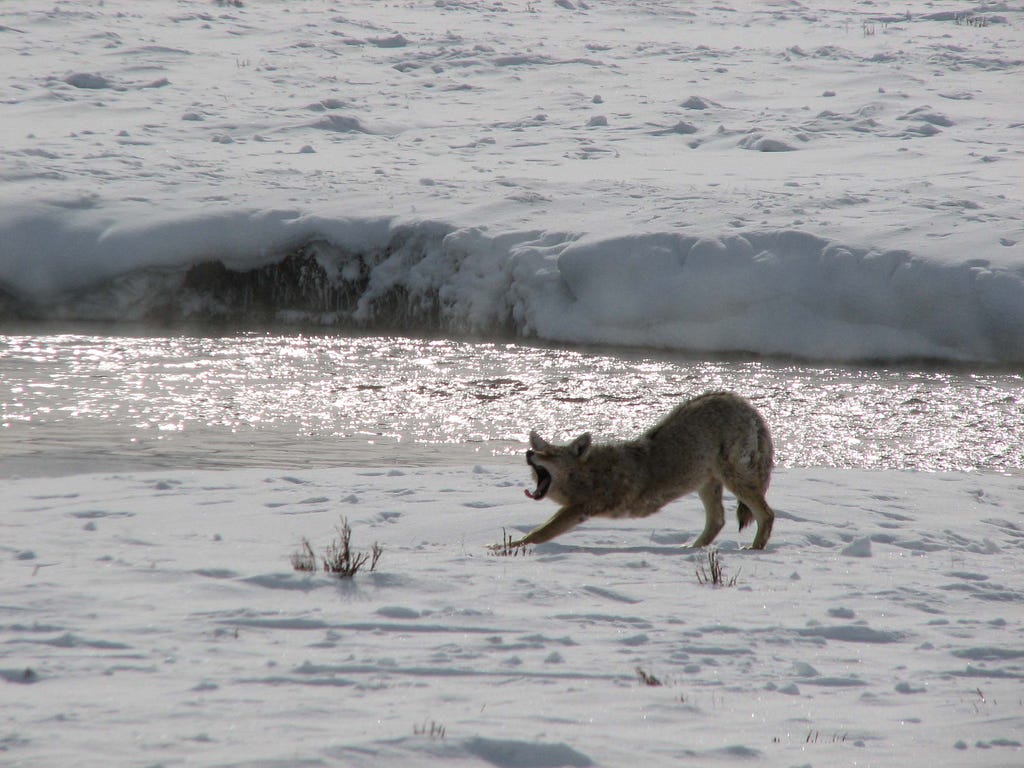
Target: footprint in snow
98 514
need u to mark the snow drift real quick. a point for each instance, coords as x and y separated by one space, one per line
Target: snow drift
782 292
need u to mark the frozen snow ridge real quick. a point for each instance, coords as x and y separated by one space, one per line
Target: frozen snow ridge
781 292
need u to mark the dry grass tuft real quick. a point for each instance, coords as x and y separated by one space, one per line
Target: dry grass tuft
648 679
305 559
432 731
339 557
714 573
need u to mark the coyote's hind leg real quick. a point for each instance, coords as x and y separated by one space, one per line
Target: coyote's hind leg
751 497
711 495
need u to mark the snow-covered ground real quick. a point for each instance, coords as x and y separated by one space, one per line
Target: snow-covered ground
827 179
155 619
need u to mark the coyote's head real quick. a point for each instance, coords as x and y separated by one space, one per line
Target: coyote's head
552 464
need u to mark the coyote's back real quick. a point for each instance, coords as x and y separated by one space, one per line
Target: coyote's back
714 441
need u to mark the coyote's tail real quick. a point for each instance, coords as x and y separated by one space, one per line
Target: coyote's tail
744 515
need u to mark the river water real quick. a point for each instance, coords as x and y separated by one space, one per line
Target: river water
103 401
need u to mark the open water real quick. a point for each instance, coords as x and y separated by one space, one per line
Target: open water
98 401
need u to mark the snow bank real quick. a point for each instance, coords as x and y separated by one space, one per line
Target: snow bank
771 292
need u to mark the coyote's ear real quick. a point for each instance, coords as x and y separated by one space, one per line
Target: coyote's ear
580 445
538 443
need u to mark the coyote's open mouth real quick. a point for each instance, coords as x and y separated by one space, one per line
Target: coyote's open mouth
543 479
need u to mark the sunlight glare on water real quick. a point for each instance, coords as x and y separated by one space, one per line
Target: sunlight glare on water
77 402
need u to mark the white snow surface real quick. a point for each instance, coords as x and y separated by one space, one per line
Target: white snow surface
155 619
824 179
821 179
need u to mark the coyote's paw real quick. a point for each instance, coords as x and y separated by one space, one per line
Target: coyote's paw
505 545
508 547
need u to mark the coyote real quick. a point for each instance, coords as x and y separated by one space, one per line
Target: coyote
714 440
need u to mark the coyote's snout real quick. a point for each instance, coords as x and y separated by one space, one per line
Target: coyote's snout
713 441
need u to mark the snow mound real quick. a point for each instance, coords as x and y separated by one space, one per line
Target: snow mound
783 292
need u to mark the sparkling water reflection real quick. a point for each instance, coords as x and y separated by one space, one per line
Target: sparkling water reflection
79 402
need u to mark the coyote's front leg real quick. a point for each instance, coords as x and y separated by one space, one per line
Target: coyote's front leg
563 520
